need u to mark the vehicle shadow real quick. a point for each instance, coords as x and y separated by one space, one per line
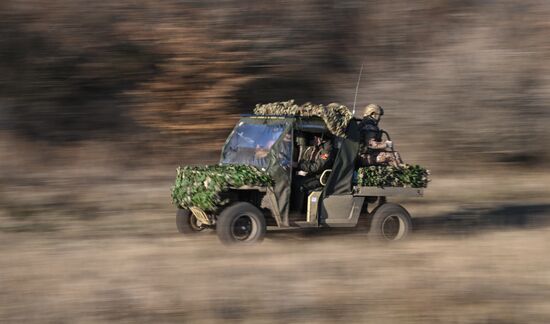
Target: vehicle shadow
462 222
473 220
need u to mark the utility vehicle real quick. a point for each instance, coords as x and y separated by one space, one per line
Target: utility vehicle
272 143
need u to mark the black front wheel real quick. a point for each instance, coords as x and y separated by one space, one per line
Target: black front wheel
390 222
187 223
241 223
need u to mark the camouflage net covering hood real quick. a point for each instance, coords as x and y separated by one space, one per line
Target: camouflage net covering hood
200 186
413 176
335 116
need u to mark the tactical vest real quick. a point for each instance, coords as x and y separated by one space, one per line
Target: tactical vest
368 130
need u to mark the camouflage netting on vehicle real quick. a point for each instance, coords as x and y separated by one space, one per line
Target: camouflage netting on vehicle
335 116
200 186
406 175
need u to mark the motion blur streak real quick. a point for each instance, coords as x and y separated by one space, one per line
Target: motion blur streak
99 103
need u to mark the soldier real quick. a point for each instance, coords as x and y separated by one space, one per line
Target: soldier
373 149
313 161
316 158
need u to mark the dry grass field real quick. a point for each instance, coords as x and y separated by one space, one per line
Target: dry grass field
100 101
497 277
92 244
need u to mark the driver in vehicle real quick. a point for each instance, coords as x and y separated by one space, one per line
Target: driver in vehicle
316 158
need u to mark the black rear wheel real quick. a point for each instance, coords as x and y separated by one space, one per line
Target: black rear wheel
241 223
390 222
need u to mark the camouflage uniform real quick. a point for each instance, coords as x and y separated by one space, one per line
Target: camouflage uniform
314 160
317 158
373 150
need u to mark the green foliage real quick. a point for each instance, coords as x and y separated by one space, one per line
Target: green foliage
405 175
335 116
200 186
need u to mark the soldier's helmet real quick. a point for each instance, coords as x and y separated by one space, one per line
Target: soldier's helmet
374 111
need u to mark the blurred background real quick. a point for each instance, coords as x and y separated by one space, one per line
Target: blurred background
100 102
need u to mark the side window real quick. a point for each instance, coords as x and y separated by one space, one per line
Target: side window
251 143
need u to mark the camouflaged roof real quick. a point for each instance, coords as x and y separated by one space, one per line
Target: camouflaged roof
335 116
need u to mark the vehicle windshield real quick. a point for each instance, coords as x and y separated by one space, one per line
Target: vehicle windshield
250 144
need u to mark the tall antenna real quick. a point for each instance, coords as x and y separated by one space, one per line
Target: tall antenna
357 89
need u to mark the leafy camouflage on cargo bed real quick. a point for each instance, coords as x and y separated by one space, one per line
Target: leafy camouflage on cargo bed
335 116
200 186
406 175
